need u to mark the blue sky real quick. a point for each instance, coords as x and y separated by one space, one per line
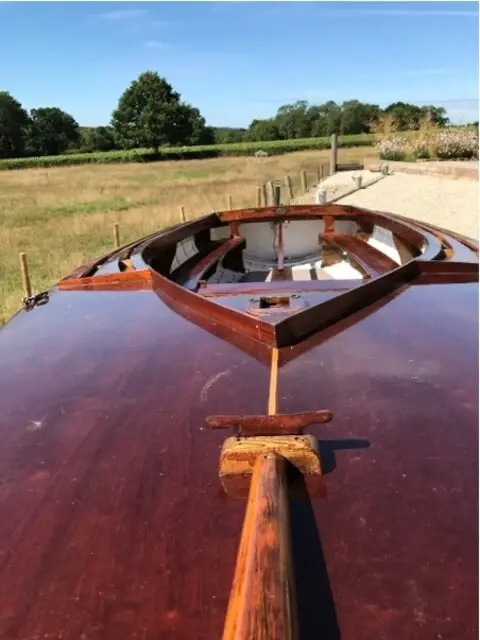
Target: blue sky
237 61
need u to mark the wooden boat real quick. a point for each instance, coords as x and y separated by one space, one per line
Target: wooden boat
120 385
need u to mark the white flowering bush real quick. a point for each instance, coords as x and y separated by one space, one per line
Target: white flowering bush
395 148
421 148
456 144
444 144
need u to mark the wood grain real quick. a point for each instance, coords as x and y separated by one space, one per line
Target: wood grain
210 260
274 424
133 279
370 260
262 601
272 392
113 521
238 455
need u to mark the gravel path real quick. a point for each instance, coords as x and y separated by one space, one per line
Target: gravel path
449 203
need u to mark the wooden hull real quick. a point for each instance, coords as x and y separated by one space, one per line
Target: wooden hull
113 523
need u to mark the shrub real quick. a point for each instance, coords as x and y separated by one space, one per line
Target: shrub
395 148
450 145
421 148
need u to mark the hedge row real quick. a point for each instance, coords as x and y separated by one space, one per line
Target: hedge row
275 147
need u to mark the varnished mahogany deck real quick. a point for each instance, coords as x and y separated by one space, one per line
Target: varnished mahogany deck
113 522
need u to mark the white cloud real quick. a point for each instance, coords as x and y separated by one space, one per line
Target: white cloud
417 73
157 44
292 9
122 14
447 13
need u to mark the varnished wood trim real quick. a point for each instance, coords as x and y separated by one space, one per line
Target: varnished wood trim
179 233
236 321
312 319
370 259
403 229
115 281
206 263
270 425
270 212
88 269
272 392
449 267
277 286
262 602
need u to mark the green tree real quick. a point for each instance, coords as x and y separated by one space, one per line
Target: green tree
356 117
225 135
190 128
51 131
292 121
333 117
436 115
262 130
13 124
150 114
407 116
97 139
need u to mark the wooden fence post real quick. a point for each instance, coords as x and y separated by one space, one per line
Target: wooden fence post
271 189
27 287
277 194
333 154
303 181
288 186
259 197
116 236
182 214
321 172
264 192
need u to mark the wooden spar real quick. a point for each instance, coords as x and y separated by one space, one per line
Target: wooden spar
262 600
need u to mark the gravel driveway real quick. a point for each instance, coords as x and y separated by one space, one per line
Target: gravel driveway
446 202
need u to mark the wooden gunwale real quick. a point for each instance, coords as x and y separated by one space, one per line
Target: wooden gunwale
205 222
404 230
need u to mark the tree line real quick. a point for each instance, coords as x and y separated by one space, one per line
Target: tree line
301 120
151 114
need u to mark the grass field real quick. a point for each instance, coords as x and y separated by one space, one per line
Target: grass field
62 217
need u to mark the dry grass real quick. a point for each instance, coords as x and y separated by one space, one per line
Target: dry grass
383 126
62 217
